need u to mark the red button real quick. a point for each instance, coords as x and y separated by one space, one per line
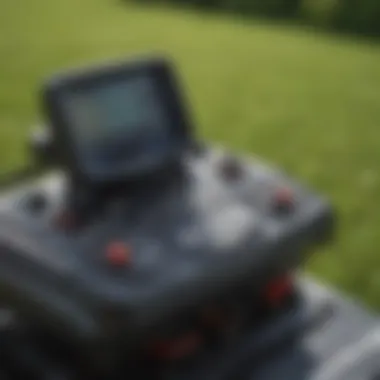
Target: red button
279 290
119 254
284 198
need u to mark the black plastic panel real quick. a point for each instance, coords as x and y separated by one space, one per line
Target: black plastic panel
192 243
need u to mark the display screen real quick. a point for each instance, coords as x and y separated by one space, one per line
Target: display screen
118 125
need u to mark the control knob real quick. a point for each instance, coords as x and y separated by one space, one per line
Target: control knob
231 169
36 202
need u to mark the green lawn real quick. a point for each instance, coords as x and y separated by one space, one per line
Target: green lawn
309 103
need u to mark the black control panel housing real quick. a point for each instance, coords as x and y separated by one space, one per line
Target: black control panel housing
201 226
192 243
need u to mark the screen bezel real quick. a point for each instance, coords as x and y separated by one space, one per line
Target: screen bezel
54 94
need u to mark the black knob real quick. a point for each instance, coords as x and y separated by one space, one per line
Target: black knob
231 168
36 202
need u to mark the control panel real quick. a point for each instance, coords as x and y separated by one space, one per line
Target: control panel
157 255
140 231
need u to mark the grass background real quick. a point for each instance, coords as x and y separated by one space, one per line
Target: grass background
307 102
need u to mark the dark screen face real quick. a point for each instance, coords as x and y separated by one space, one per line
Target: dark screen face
118 124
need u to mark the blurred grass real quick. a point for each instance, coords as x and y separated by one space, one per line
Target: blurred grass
308 103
